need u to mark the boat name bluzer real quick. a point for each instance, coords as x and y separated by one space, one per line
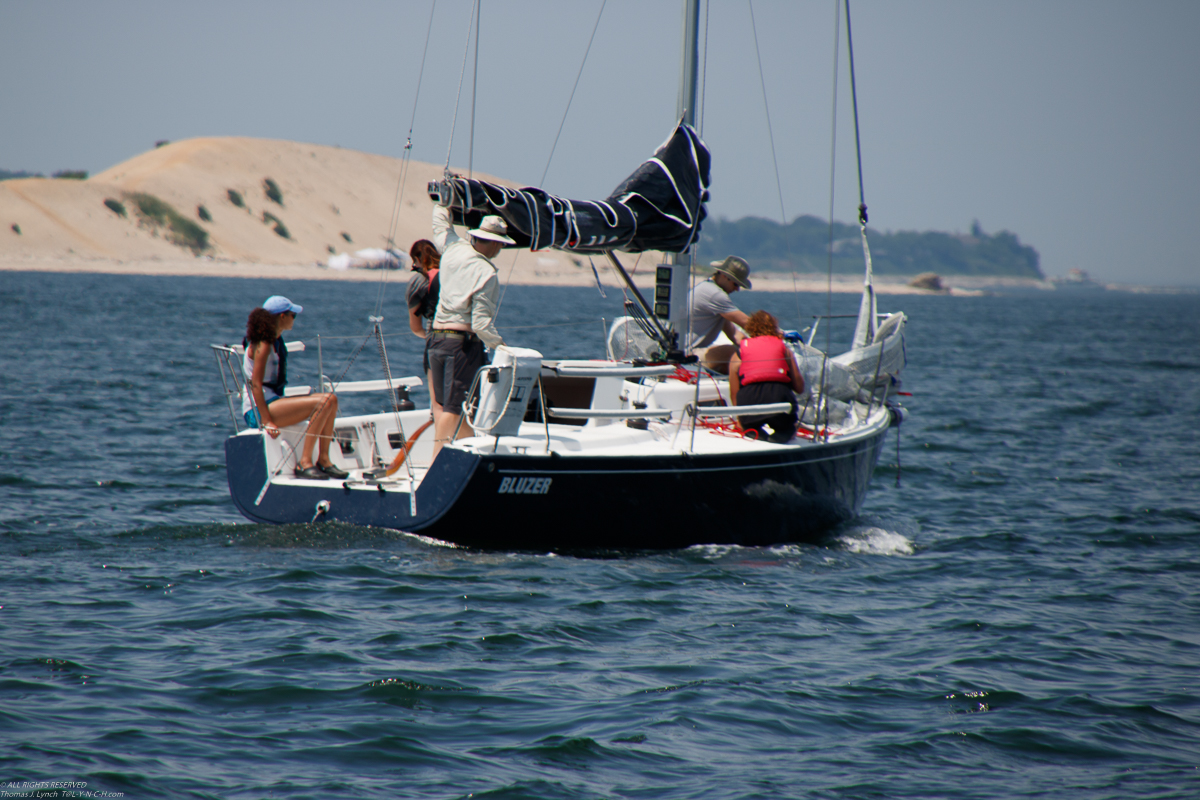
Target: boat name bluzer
524 486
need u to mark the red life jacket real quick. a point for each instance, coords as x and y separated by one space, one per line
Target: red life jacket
764 360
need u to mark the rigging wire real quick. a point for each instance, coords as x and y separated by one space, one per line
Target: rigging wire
698 120
762 80
405 162
458 94
454 123
512 267
507 280
862 203
567 110
863 334
474 87
411 124
387 374
703 77
767 109
695 245
471 153
837 37
548 325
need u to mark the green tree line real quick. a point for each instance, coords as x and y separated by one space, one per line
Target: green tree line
805 246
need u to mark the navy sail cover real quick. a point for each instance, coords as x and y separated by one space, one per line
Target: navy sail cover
659 207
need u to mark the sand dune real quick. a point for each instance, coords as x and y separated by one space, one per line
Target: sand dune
331 198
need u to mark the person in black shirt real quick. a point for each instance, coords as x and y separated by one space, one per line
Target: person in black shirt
422 302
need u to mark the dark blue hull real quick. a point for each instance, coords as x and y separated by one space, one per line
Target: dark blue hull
559 503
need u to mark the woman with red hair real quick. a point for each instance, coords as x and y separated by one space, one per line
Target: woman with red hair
764 371
423 291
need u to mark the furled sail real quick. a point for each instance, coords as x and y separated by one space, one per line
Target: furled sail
659 207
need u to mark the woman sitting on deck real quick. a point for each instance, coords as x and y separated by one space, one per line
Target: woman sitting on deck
263 403
764 371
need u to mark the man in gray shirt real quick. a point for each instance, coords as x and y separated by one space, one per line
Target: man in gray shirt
712 312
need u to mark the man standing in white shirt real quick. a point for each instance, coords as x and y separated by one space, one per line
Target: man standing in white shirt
465 318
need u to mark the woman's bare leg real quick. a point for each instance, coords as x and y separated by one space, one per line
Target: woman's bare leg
323 422
290 410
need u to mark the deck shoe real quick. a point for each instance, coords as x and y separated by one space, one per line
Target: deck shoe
333 472
312 473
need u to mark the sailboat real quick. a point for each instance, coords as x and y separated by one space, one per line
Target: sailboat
638 450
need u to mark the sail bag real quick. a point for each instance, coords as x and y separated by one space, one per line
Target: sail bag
659 207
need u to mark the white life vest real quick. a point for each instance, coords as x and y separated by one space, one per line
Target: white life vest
273 381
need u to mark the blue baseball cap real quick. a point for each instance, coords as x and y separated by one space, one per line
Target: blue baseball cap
277 304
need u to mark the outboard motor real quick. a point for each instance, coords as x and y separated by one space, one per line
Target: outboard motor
505 387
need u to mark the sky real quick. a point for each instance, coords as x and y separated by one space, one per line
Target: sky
1072 123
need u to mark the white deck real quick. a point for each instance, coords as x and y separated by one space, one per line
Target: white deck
365 445
633 411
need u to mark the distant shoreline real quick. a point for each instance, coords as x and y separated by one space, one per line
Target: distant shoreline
219 268
523 274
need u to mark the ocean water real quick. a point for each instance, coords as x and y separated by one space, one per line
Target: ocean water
1015 614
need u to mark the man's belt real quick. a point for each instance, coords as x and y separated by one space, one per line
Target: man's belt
446 333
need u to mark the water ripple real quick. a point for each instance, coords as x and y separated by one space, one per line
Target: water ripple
1014 615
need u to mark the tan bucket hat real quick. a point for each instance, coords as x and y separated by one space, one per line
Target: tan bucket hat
494 228
736 268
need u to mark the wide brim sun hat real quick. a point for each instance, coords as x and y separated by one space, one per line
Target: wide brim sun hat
494 229
735 268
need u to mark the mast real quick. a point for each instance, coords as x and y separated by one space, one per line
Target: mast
685 109
673 277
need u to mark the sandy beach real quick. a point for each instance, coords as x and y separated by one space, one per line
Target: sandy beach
519 268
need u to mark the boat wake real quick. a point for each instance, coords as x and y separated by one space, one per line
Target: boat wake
872 540
429 540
